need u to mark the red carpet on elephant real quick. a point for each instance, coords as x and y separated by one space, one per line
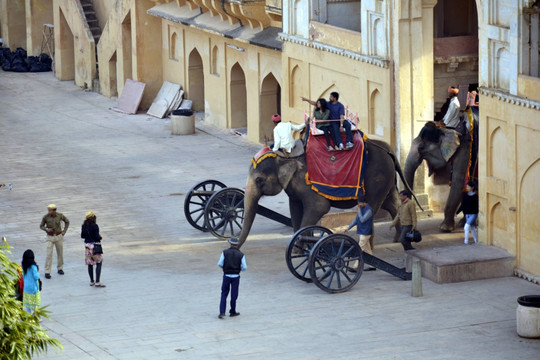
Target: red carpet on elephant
336 175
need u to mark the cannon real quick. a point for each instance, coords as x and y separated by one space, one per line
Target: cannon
212 206
333 262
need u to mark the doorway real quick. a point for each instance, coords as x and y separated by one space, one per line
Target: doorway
238 98
270 104
196 80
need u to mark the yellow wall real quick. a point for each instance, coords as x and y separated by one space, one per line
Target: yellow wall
365 88
255 62
130 48
38 13
75 51
12 21
509 173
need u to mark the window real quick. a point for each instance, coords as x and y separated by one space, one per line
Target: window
531 41
341 13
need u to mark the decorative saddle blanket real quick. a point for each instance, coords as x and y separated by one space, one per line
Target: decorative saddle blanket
336 175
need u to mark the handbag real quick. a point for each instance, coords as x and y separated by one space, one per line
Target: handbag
98 250
40 284
414 236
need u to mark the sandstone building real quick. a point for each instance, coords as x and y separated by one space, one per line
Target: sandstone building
391 61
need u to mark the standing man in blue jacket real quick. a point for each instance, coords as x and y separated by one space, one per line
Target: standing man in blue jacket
364 226
232 261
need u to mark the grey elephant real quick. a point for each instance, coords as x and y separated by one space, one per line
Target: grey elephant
274 174
450 156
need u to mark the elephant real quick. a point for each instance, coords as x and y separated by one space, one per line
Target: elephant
444 163
274 174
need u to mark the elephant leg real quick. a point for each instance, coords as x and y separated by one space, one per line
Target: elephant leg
297 210
456 189
314 212
391 204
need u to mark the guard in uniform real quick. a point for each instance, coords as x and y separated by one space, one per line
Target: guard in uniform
232 261
52 225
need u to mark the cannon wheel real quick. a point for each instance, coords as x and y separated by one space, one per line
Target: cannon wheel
297 253
224 213
196 200
333 262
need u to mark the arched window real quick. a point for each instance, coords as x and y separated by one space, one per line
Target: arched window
173 48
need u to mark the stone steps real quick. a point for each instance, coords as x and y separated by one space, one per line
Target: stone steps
458 263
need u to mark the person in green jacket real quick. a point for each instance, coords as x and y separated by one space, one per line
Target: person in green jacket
320 114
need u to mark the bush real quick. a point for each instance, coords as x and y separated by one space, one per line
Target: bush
21 335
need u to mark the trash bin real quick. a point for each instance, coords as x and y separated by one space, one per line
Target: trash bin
528 316
183 122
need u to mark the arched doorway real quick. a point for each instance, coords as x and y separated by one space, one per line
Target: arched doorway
270 104
195 91
455 49
529 227
238 98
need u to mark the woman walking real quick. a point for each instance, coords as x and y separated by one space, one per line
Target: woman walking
31 294
469 205
93 250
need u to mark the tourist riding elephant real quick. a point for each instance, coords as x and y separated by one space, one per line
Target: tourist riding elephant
274 174
449 157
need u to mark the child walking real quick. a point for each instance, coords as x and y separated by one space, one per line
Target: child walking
469 205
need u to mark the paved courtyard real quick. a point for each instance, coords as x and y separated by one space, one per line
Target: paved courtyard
62 145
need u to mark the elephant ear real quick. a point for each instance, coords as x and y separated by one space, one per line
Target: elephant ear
449 143
287 168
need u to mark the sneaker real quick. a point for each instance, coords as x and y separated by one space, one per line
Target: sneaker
349 145
340 146
234 314
47 276
61 272
221 316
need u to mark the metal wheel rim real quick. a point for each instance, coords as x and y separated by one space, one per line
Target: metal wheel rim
298 250
331 261
224 213
194 204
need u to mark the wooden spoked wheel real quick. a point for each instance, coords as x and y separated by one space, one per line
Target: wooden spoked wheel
299 249
224 213
335 263
196 200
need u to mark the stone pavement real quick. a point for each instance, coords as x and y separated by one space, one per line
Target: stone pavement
62 145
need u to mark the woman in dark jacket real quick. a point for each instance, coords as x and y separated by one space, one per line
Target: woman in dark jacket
469 205
93 250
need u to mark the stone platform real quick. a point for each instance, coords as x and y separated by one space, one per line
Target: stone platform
457 263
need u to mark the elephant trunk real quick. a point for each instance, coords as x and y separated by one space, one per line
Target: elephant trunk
251 203
412 163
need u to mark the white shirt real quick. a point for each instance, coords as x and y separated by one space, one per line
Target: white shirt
283 138
451 118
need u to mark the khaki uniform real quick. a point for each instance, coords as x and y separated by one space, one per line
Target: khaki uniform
54 240
407 219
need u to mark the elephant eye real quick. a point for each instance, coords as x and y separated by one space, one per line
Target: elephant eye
259 181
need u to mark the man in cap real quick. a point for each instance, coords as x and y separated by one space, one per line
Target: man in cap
283 138
364 226
232 261
52 225
451 118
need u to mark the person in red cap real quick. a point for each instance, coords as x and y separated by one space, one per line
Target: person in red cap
451 118
283 138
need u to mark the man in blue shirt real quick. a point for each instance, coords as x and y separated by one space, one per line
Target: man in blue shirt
364 226
337 112
232 261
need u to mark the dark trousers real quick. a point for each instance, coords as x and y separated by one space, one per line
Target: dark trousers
404 241
229 284
91 272
337 133
328 134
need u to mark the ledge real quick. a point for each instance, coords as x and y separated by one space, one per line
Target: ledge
512 99
334 50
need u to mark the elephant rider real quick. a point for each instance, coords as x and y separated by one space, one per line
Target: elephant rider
283 138
406 217
337 113
452 119
364 227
